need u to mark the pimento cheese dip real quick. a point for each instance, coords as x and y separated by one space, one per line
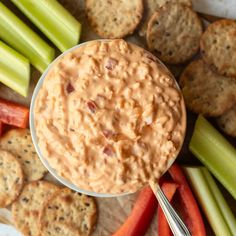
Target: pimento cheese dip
109 117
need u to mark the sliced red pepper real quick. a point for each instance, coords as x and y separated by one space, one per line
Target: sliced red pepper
141 216
163 228
14 114
194 219
1 128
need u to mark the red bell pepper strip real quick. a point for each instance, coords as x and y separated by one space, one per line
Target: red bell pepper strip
193 219
141 216
14 114
1 128
169 190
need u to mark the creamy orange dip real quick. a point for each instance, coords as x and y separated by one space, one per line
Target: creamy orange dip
109 117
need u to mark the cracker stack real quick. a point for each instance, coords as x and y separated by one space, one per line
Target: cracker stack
209 84
27 208
33 200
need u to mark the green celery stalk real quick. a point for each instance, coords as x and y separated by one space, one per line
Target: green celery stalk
53 20
224 207
215 152
19 36
211 200
14 69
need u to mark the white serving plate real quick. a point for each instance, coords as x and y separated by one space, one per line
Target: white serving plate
8 230
220 8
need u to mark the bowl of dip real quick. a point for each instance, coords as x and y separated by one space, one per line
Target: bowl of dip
106 117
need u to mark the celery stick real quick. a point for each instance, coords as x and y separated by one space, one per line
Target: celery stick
53 20
215 152
207 201
224 207
14 60
23 39
14 69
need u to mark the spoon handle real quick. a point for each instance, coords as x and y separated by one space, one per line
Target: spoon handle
177 226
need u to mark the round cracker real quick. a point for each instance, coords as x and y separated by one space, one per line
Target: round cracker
218 47
174 33
11 178
72 209
150 6
19 143
227 122
26 209
114 18
60 229
206 92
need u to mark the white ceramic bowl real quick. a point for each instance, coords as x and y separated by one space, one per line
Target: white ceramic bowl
35 141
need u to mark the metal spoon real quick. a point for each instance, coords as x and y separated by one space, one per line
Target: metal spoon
177 226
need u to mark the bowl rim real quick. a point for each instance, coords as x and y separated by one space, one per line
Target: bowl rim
51 170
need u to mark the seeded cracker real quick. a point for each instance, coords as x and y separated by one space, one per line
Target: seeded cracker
11 178
206 92
19 142
174 33
218 47
227 122
75 212
60 229
26 209
114 18
150 6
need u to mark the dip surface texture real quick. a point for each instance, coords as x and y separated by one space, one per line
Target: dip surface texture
109 117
